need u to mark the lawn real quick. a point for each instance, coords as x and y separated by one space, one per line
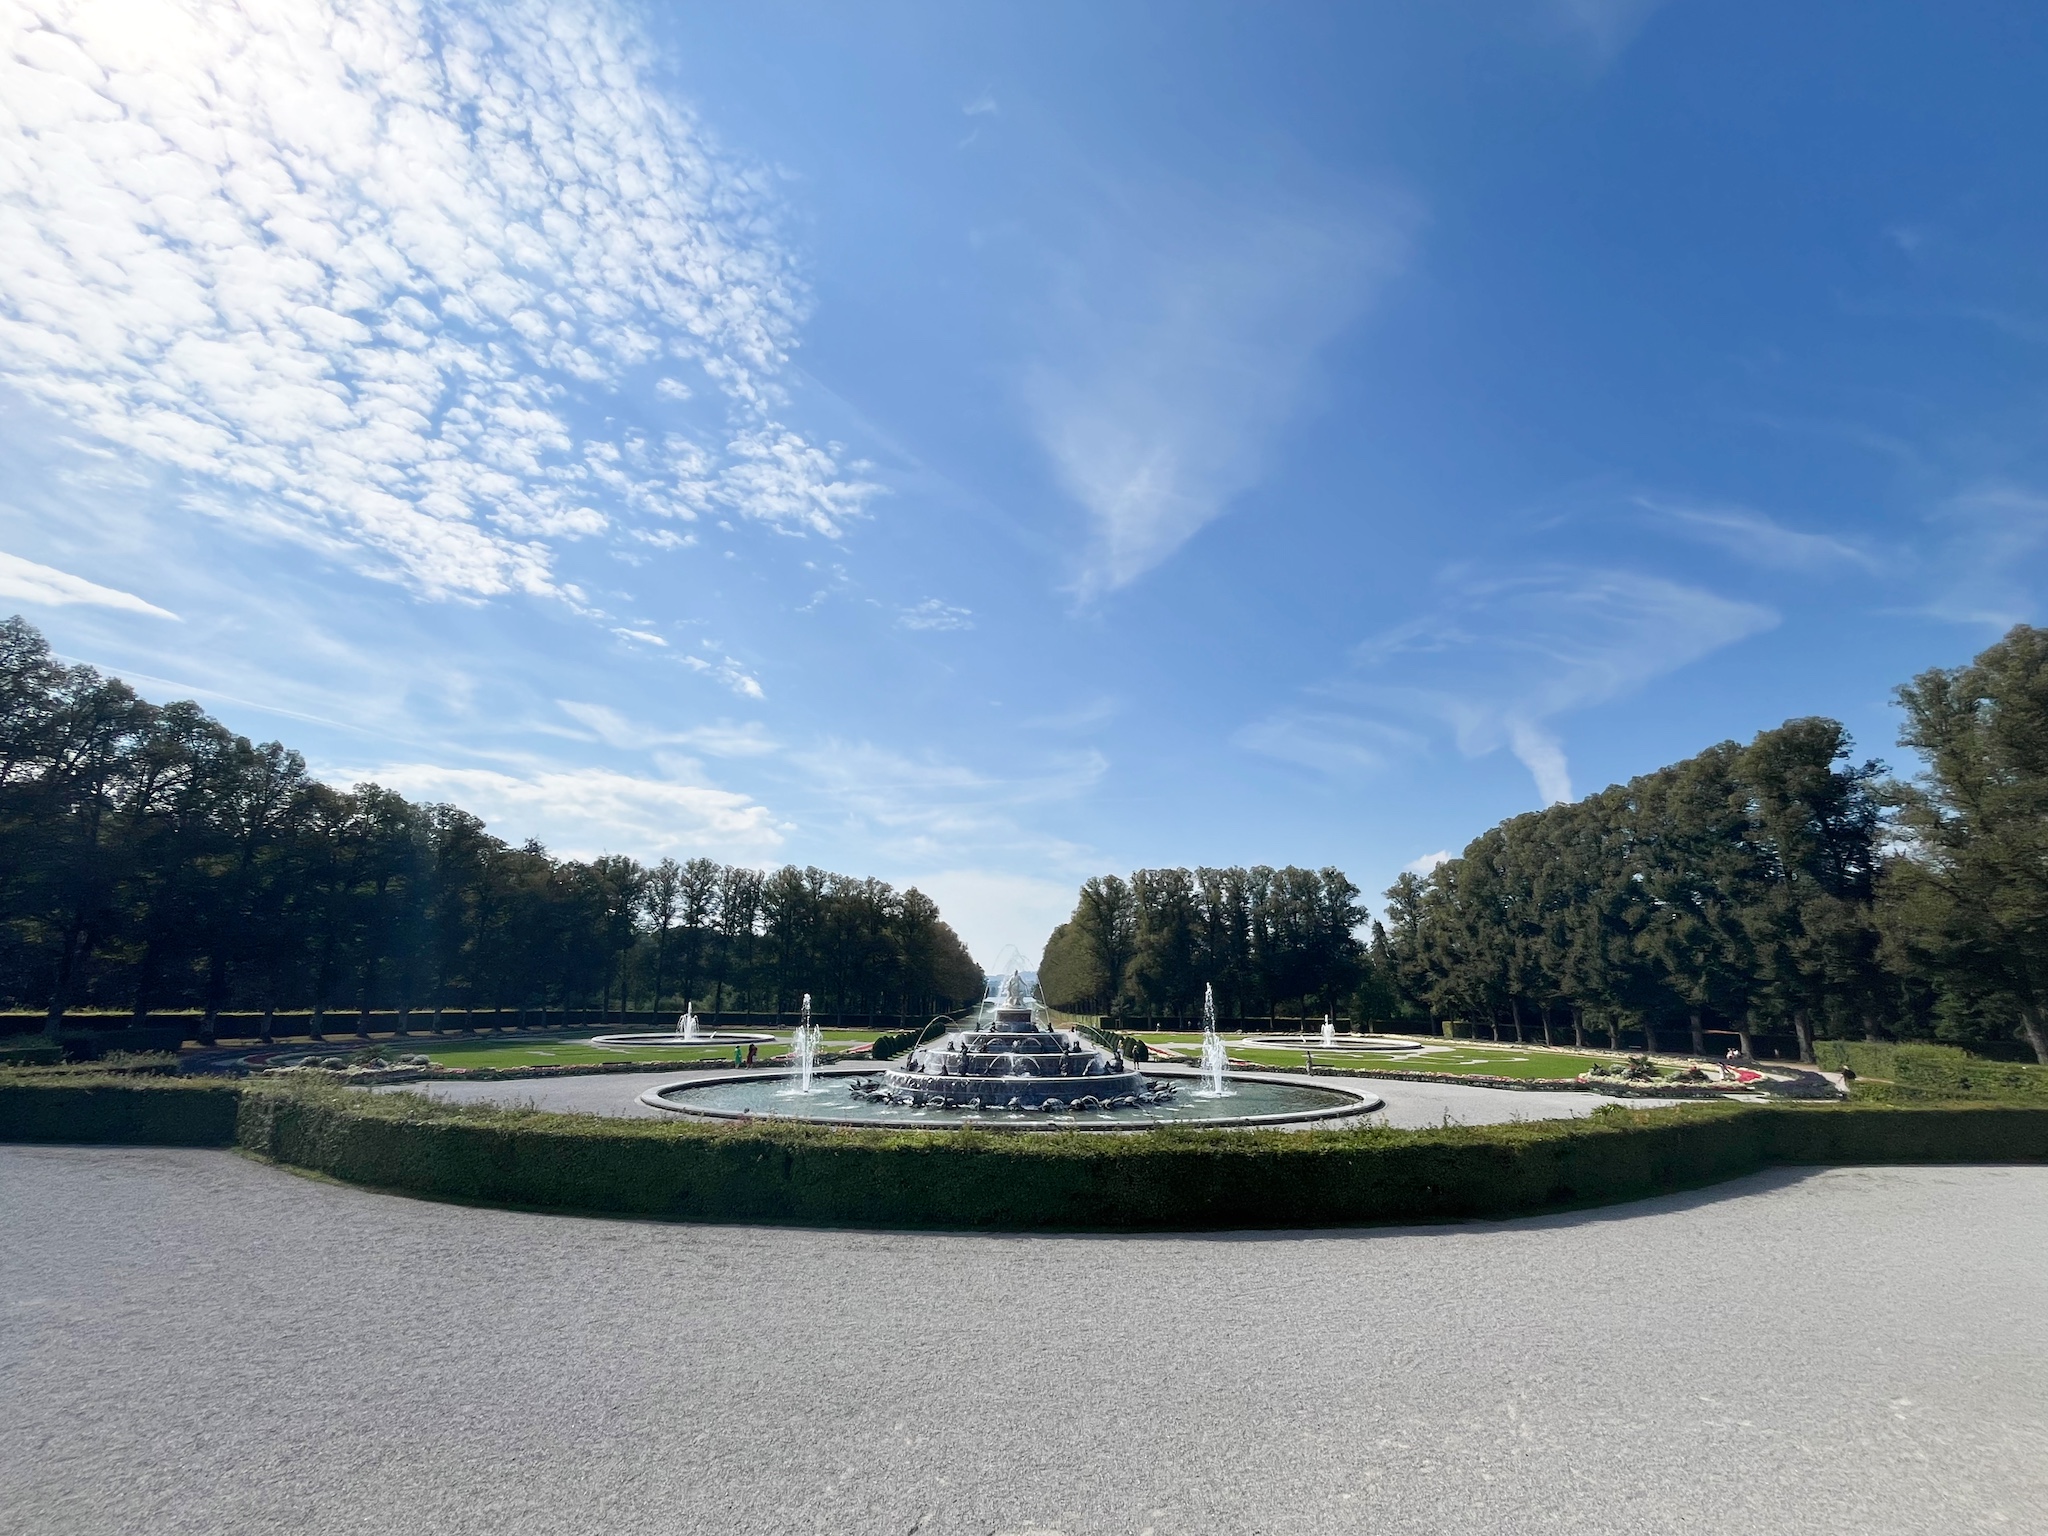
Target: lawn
563 1053
1459 1056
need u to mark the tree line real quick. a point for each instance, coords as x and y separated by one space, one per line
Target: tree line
150 859
1264 938
1776 887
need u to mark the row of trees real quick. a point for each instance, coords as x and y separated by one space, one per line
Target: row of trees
151 859
1779 887
1776 885
1264 938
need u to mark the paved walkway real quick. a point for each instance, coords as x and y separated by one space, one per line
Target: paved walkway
192 1342
1410 1105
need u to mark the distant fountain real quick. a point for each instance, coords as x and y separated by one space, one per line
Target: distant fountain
686 1025
1329 1030
803 1050
1214 1058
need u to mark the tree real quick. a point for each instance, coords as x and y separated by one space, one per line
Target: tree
1969 902
662 904
1107 919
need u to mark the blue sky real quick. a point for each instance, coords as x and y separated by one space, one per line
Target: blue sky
987 447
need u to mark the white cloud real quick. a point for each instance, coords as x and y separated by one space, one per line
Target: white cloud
24 581
1326 740
1985 570
728 672
722 739
934 614
1187 350
929 810
1608 26
351 268
1427 862
1759 539
1502 659
581 812
991 910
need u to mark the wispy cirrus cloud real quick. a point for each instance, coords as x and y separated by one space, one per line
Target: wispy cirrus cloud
24 581
359 271
1330 741
1761 540
1185 347
928 809
1501 659
1986 567
720 739
1606 26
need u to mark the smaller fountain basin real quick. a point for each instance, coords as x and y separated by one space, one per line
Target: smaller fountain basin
670 1040
1357 1045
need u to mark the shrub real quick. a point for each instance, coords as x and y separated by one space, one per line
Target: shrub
135 1110
29 1051
896 1044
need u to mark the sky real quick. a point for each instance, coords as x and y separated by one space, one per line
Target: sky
985 447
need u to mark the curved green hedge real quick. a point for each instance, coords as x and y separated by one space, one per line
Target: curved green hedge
1159 1179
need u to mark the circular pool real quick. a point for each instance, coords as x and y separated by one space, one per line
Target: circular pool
832 1101
672 1041
1369 1045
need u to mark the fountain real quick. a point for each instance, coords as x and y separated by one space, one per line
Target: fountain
1214 1057
803 1052
1008 1065
689 1032
1329 1031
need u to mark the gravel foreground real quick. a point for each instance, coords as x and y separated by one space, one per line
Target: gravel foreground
193 1342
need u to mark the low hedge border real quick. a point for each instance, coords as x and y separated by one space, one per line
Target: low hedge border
1162 1179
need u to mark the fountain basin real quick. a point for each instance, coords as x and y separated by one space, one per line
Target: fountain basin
673 1041
1253 1100
1365 1045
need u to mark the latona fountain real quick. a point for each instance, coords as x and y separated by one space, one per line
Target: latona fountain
1009 1066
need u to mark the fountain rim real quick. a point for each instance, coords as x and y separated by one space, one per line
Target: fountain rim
669 1038
1358 1101
1395 1044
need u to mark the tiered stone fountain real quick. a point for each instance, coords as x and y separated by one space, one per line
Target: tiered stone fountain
1010 1068
1012 1058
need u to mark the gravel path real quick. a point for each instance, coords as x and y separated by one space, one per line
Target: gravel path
1409 1105
193 1342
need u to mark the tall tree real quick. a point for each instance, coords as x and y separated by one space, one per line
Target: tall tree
1970 903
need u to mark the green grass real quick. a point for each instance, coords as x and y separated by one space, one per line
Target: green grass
1462 1057
1909 1072
564 1053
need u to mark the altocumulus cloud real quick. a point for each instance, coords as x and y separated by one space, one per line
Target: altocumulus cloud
585 811
354 268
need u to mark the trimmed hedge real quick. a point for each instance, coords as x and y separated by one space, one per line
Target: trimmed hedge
1936 1071
129 1109
888 1046
1169 1178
